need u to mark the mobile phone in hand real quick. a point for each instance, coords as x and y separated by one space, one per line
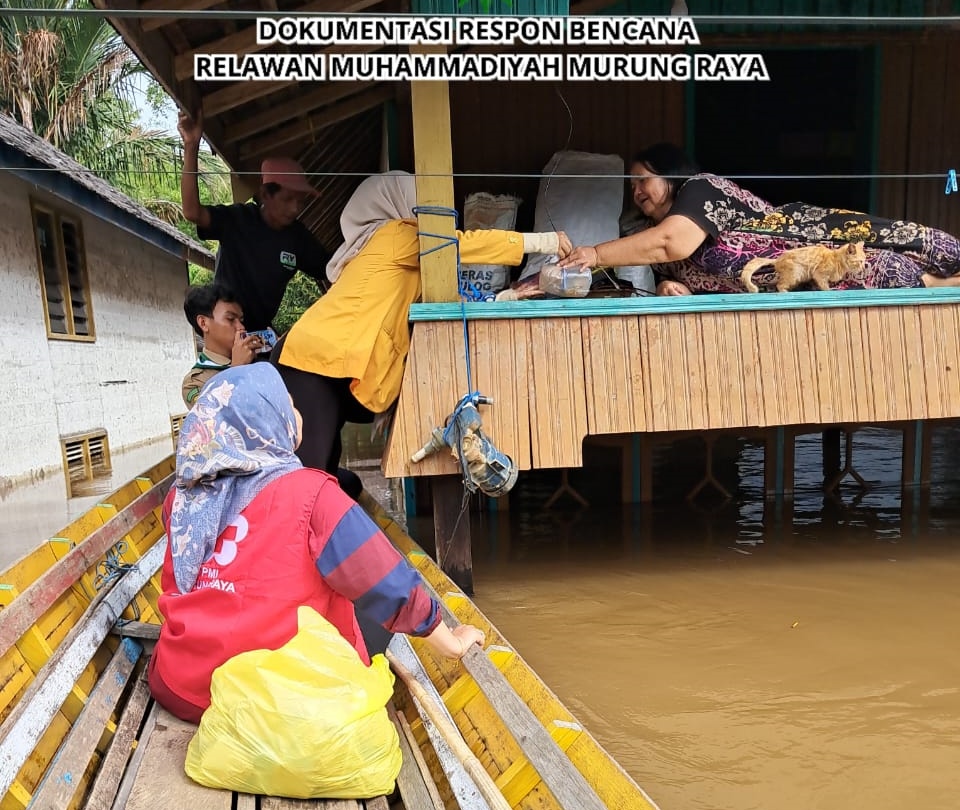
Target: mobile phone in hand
268 339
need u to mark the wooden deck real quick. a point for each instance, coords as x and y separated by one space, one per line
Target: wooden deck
561 370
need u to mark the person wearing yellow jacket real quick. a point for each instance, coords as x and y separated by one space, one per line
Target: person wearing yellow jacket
343 360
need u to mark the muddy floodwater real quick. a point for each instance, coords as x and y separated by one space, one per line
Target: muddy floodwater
734 659
731 654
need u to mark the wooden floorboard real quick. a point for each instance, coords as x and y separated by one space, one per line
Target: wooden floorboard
161 782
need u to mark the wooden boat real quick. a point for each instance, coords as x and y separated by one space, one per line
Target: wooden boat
79 729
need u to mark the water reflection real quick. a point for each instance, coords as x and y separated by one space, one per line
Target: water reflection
736 655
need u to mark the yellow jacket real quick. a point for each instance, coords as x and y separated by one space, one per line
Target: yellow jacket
358 330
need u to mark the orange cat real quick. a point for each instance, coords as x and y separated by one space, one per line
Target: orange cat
817 263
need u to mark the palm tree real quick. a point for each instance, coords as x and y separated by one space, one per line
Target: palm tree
70 80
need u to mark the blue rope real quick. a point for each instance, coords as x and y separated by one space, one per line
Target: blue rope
465 290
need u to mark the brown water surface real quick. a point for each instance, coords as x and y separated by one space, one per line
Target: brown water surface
731 659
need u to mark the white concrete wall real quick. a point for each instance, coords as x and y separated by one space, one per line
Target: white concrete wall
127 381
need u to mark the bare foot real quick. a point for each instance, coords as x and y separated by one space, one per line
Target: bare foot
930 280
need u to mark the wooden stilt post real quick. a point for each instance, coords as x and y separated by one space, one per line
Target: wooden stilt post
451 526
926 444
831 453
433 158
789 461
646 468
772 463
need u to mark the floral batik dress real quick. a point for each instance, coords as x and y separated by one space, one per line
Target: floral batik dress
741 226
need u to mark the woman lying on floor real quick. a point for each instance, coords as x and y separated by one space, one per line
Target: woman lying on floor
704 229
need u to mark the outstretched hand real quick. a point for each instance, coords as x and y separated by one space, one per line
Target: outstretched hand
671 287
582 258
565 245
190 129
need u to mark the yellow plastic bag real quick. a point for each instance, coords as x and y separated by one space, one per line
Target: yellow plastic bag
306 721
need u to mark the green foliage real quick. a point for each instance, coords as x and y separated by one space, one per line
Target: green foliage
199 275
71 80
301 292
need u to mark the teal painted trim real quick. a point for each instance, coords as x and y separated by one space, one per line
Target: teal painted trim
409 498
657 305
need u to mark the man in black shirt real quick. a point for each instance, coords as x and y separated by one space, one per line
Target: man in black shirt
262 243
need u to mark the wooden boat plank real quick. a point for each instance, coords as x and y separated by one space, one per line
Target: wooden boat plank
133 769
39 597
43 699
160 782
466 792
522 681
414 781
153 775
65 773
121 747
246 801
279 803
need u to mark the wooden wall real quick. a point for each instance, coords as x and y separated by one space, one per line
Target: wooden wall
556 380
919 130
512 129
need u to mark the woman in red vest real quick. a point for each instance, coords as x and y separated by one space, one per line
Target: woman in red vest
253 535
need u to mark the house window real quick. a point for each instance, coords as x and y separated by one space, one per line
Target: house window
176 422
86 461
63 275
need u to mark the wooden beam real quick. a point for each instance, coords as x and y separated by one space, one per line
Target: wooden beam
160 780
433 160
415 783
61 781
26 724
462 785
304 103
114 763
153 23
314 123
243 186
241 92
41 595
233 95
245 40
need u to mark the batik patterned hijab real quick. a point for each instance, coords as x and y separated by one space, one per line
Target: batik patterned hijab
239 436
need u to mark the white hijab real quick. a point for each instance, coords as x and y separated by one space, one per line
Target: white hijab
379 199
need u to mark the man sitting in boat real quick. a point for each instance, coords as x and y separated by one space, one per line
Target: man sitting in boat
215 315
253 535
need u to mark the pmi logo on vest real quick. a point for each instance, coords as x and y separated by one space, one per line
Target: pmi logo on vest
224 553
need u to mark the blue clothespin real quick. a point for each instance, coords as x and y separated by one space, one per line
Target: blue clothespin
951 181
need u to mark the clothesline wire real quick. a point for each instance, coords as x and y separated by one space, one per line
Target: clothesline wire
521 175
707 19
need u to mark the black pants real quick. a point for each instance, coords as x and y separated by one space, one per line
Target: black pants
326 404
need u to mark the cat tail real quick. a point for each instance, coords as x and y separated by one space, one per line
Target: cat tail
751 267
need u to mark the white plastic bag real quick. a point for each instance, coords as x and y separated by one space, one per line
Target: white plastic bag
587 208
